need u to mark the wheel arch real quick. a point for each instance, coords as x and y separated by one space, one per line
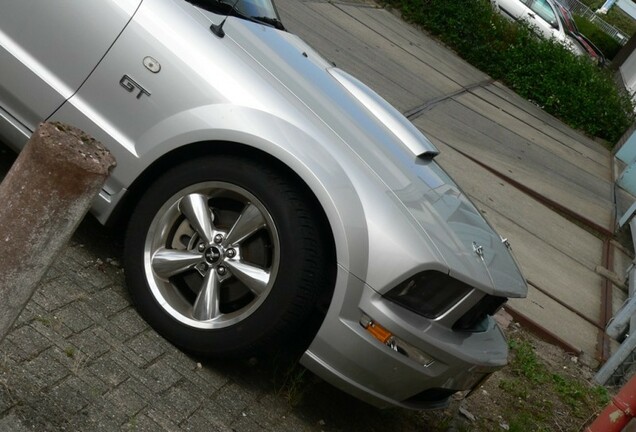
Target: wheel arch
124 207
285 196
121 213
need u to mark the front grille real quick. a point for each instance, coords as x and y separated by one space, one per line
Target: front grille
475 319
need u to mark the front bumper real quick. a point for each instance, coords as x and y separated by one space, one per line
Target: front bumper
345 354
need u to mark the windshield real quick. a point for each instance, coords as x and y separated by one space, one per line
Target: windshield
257 8
263 11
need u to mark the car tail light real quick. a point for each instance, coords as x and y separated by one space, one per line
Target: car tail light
429 294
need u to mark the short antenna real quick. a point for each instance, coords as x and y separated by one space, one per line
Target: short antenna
218 29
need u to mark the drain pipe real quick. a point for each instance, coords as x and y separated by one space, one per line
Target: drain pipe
619 412
44 196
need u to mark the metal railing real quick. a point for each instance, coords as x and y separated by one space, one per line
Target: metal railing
578 8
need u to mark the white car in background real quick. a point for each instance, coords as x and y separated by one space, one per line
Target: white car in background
550 20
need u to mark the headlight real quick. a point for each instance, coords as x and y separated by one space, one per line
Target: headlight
429 293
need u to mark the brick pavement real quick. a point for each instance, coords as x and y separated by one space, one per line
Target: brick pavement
80 358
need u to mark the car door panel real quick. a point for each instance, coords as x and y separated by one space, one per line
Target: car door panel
515 9
123 99
543 17
38 76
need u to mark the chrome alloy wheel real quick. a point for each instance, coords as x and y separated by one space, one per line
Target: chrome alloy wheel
211 255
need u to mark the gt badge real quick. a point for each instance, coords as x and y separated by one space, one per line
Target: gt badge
132 86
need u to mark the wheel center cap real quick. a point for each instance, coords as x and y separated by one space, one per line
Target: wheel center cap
213 255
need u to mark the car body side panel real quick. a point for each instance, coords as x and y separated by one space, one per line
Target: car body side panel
515 9
37 76
140 130
539 10
365 129
384 253
184 103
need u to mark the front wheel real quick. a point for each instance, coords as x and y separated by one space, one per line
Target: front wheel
224 256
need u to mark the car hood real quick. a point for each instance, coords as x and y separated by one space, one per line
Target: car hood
394 150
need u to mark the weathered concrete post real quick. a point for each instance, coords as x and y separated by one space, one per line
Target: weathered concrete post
43 198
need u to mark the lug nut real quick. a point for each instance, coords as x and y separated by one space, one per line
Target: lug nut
221 270
231 253
201 247
218 238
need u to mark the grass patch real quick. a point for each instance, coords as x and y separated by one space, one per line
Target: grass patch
621 21
43 320
294 385
531 380
70 352
615 16
568 87
541 390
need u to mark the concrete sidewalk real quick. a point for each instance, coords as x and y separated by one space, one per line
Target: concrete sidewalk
80 358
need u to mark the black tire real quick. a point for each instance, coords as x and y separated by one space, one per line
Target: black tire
293 287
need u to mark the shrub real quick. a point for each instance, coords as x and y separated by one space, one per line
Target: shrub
569 87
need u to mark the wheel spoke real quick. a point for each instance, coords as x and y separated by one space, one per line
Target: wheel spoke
254 278
206 306
169 262
196 210
249 221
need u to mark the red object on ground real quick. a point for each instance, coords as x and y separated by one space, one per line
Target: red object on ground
619 412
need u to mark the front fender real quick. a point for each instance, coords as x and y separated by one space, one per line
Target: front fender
375 237
368 223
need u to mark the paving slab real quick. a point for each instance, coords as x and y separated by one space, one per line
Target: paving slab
588 160
414 41
619 297
547 312
549 226
517 157
622 260
553 130
556 256
553 272
344 37
505 94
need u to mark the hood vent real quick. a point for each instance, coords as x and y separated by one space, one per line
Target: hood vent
394 121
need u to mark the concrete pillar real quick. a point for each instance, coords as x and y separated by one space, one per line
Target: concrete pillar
43 198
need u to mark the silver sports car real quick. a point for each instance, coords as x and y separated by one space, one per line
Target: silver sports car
270 197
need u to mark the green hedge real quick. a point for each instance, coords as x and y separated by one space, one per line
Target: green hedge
569 87
607 44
